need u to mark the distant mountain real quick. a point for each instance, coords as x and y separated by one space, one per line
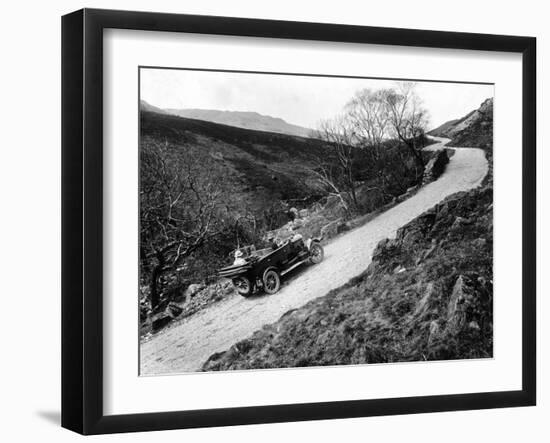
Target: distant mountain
238 119
475 129
150 108
245 120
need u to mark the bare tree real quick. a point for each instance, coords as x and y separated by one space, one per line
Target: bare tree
369 116
408 118
328 182
367 140
179 212
336 176
372 116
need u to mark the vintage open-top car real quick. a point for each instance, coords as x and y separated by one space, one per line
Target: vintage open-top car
263 268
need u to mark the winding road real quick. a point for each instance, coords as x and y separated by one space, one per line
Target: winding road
186 345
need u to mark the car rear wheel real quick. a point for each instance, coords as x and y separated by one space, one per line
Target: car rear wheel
316 253
243 286
271 281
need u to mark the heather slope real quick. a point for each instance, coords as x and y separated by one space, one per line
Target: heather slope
259 167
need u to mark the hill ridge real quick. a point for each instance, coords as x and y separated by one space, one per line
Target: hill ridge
251 120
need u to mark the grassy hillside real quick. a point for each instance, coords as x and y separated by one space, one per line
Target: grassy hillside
259 165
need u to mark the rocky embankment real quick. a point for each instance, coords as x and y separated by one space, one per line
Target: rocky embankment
427 295
473 130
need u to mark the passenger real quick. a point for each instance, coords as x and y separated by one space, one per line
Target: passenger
239 259
273 243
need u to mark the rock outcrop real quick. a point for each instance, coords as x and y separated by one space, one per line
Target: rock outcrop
196 297
473 130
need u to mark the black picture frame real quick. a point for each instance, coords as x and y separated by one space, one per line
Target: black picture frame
82 218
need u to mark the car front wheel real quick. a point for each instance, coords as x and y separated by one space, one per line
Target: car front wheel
316 253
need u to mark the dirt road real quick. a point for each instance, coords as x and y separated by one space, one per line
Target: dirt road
184 347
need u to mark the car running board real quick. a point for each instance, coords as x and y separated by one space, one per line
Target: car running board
295 265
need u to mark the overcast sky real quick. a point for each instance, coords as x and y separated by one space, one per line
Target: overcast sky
300 100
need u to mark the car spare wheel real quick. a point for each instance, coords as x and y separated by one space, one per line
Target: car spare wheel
272 281
243 285
316 253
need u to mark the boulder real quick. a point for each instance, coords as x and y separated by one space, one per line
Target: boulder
174 309
177 295
192 290
342 227
159 321
461 298
226 287
423 304
293 213
417 228
479 243
399 269
429 251
144 310
332 200
330 229
459 223
435 332
474 325
317 206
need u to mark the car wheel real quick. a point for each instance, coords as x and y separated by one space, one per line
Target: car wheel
316 253
271 281
243 286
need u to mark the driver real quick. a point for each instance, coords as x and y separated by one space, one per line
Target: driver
297 242
296 237
273 243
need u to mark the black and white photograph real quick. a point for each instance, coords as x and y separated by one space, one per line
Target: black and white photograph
290 220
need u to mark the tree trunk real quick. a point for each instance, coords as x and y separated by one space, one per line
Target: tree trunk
155 275
354 197
343 201
418 156
410 143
